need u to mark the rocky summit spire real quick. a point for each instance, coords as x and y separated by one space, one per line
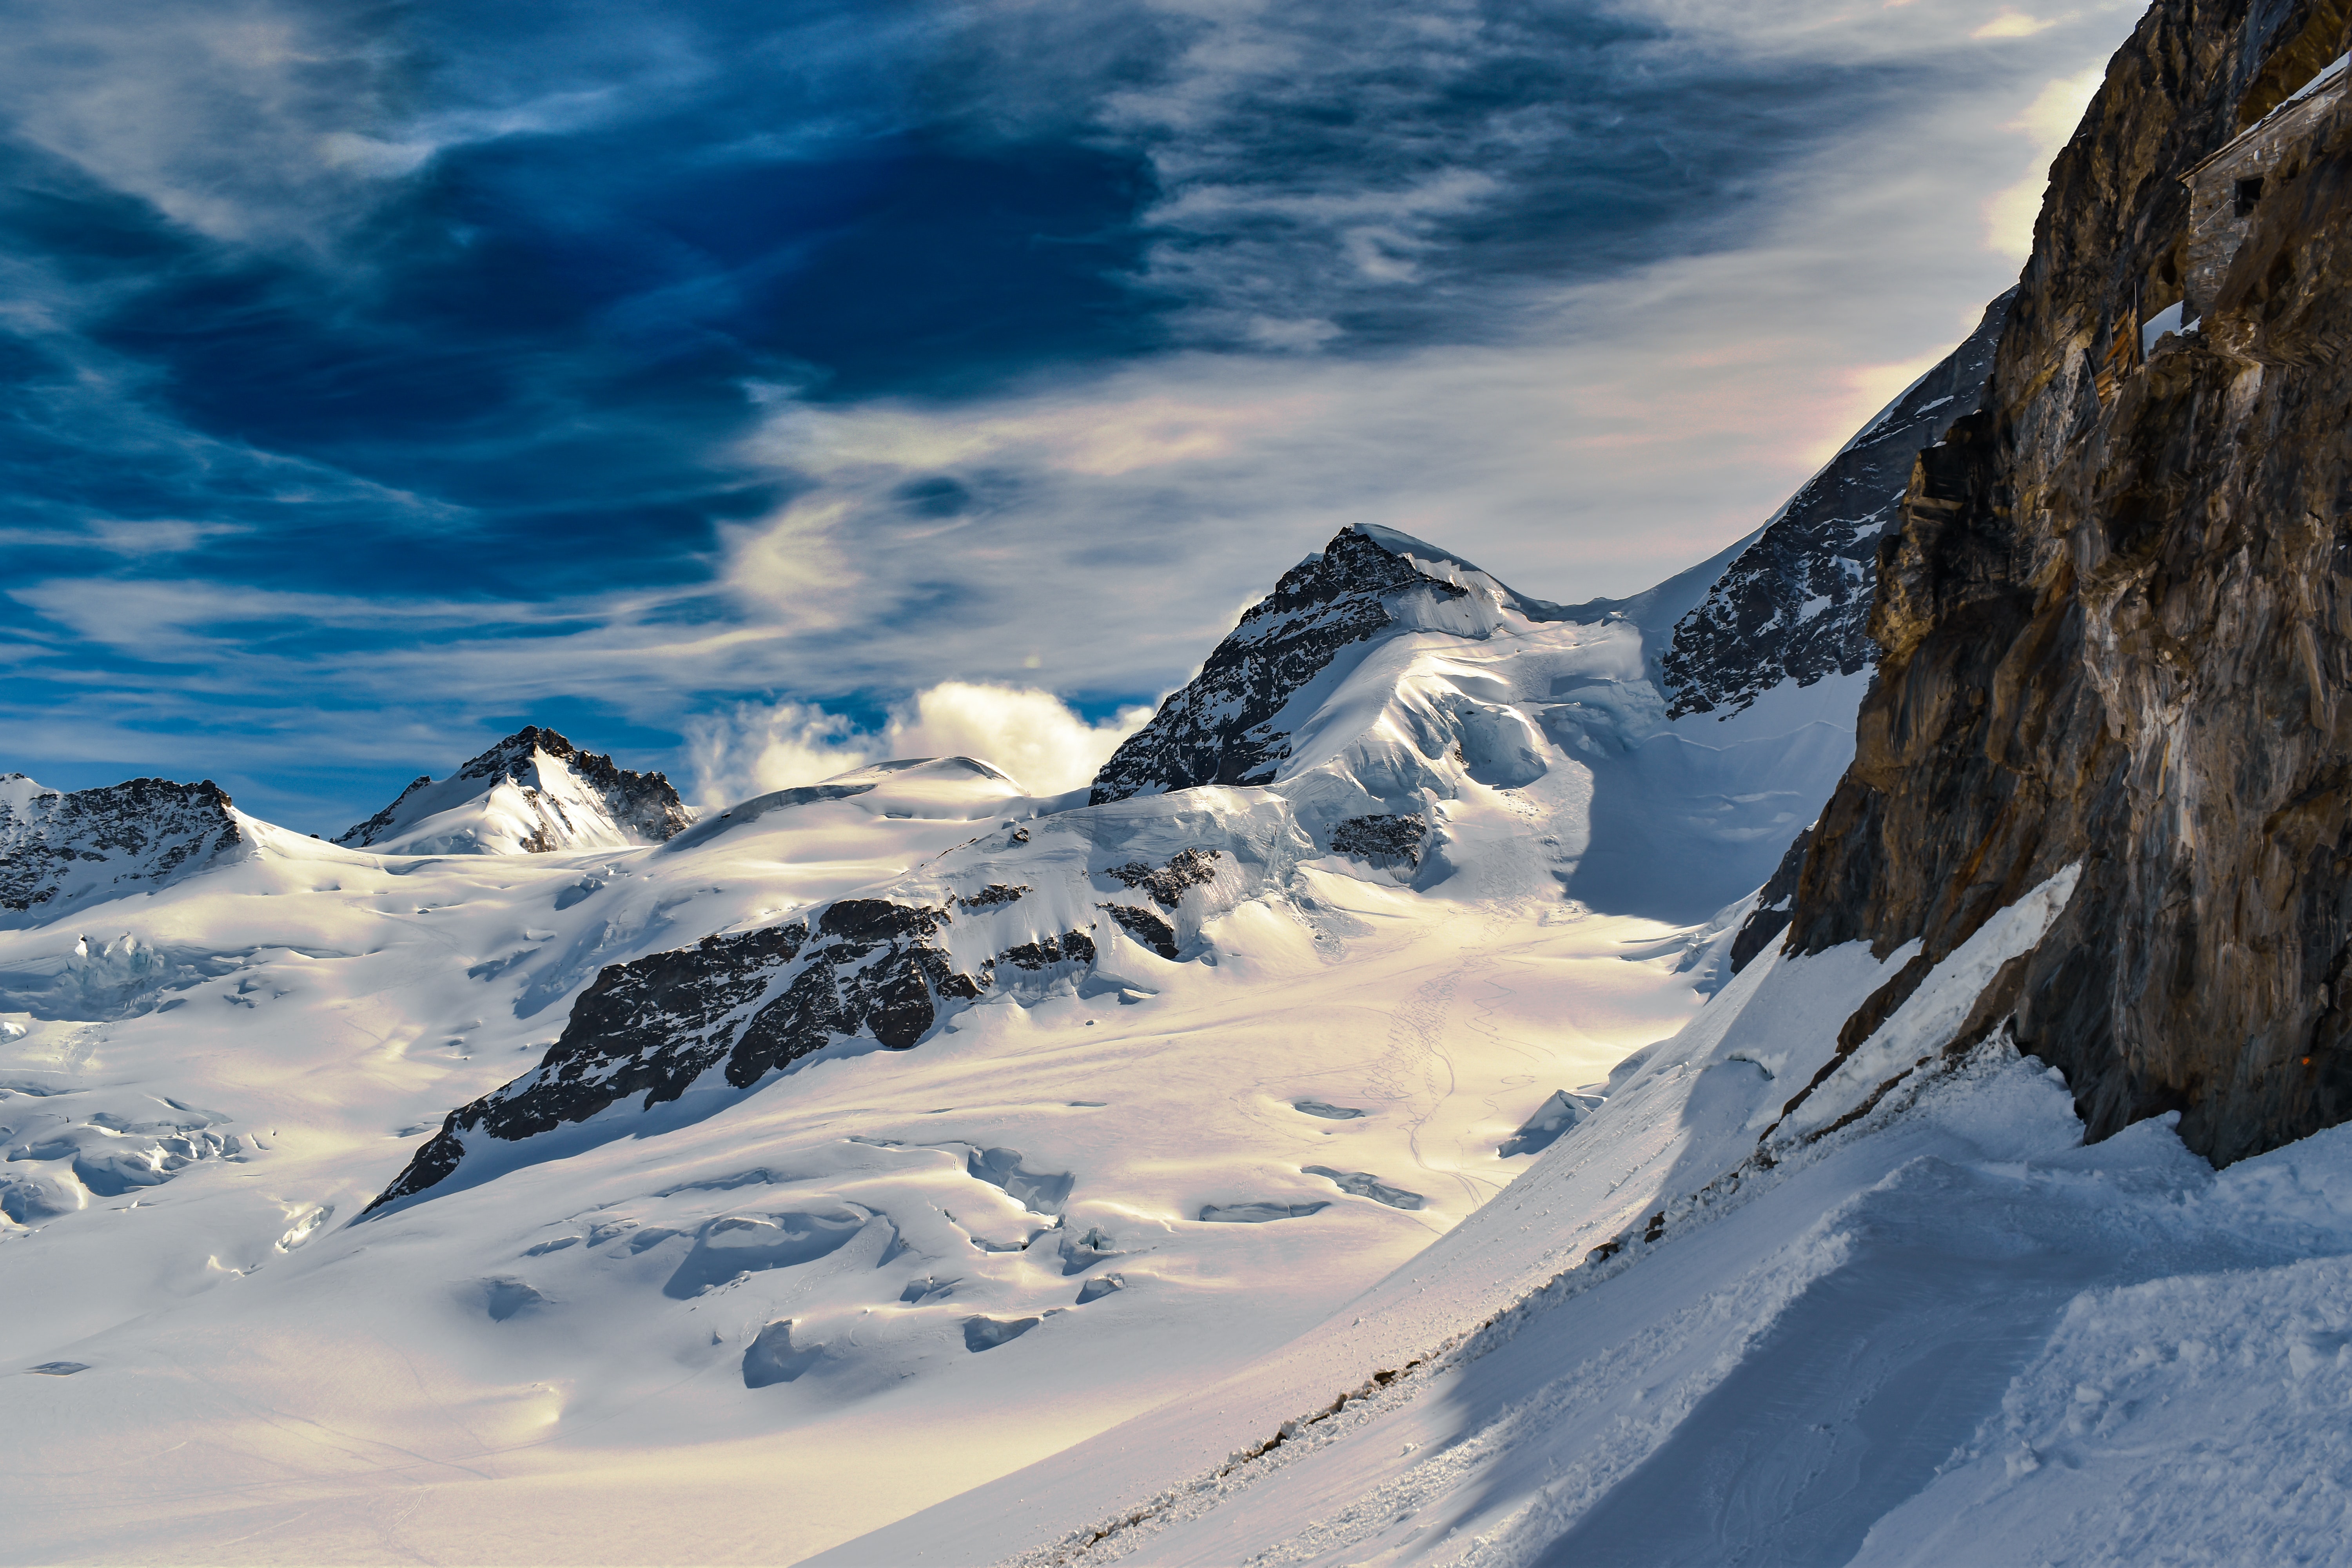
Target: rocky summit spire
1227 725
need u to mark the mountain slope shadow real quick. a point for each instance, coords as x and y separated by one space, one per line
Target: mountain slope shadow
1680 827
1844 1406
1869 1381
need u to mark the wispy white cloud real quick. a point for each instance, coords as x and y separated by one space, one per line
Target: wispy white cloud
750 748
1032 736
2013 25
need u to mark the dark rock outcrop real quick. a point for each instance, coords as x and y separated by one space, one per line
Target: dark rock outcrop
2115 625
1775 905
1144 927
1166 884
748 1002
1070 947
1220 728
1795 605
1381 840
642 804
61 847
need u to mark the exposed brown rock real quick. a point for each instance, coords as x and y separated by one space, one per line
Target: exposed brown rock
2116 626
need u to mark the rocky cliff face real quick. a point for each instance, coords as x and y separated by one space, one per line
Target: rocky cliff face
1795 605
2115 626
59 848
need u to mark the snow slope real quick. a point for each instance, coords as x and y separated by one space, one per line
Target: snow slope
1910 1319
1101 1178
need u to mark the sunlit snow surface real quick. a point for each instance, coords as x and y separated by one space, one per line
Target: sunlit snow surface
1941 1332
749 1324
1124 1223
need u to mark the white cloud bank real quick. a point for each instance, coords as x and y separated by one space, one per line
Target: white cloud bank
1033 736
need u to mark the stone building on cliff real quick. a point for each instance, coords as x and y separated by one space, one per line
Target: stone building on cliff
2227 187
2283 123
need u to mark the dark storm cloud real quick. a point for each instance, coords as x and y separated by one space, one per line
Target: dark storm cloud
390 368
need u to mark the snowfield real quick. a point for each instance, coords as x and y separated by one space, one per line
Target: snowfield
1379 1164
749 1323
1944 1333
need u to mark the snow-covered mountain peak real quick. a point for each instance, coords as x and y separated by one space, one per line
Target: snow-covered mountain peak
951 775
1231 723
913 789
532 793
60 850
1440 565
969 765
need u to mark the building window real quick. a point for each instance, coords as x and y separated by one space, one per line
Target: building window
2249 193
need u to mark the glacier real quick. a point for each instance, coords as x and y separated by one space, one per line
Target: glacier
1375 1121
926 1264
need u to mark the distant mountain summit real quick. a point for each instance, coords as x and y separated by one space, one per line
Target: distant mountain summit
1233 723
61 847
532 793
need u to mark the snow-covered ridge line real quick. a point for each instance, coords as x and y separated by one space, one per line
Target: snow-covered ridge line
1234 721
1442 694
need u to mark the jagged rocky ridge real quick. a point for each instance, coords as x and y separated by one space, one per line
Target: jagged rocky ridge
1795 605
2115 622
1791 607
58 848
752 1002
565 797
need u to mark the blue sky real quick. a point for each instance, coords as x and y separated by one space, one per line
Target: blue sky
709 380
